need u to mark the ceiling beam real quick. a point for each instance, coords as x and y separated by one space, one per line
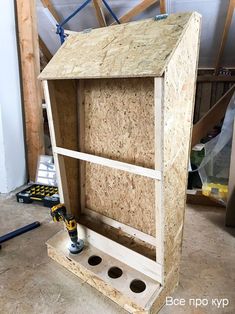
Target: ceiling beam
47 4
99 13
139 8
227 25
46 52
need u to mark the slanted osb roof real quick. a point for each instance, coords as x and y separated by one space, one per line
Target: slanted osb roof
135 49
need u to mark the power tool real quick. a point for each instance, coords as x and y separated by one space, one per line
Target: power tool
58 213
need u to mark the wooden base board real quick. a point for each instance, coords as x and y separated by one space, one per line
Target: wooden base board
118 290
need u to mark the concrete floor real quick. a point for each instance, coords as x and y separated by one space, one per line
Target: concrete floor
32 283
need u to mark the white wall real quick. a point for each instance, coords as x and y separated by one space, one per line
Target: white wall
12 149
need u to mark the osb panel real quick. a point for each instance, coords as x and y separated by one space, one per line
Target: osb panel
119 124
63 96
141 48
64 111
179 88
119 119
167 290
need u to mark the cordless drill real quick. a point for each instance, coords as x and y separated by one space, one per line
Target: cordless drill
58 213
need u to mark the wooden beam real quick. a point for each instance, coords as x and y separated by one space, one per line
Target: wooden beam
142 171
225 34
213 117
30 68
99 13
216 78
145 4
120 226
163 6
46 52
47 4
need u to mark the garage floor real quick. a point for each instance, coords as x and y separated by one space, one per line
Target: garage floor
32 283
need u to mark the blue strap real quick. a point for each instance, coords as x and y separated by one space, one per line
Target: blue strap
75 12
60 29
60 32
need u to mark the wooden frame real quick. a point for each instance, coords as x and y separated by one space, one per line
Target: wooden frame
97 161
228 22
30 69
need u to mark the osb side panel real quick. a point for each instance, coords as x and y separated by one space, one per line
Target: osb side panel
179 91
63 96
170 284
141 48
119 124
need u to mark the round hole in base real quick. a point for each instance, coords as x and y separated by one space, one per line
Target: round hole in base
114 272
94 260
137 286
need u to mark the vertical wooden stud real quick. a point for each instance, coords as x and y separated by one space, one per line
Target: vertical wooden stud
30 68
159 211
163 6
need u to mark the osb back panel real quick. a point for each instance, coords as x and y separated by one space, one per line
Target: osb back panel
141 48
63 96
179 91
119 124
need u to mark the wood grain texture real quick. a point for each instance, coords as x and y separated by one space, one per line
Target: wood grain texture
30 69
46 52
142 48
63 96
117 290
122 122
163 6
205 98
178 111
116 234
119 117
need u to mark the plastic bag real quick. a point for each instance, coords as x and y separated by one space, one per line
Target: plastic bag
214 168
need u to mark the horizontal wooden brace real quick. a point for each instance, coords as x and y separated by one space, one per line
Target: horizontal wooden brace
131 258
216 78
118 225
146 172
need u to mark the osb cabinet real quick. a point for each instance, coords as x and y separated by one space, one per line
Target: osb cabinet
120 103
